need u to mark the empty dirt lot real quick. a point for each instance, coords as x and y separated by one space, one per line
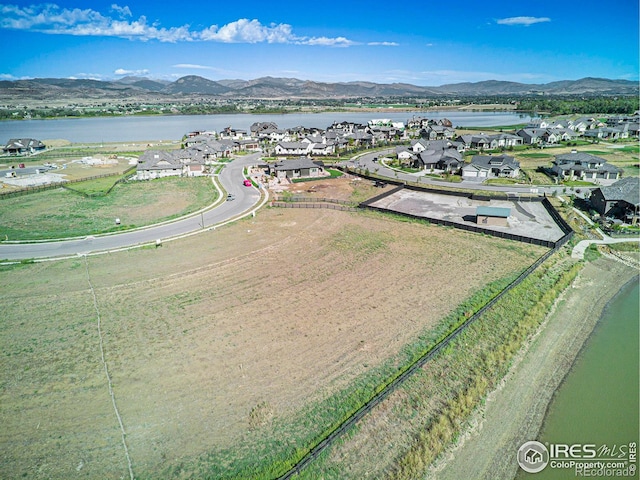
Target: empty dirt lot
219 344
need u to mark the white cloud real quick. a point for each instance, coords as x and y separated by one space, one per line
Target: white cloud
123 71
193 66
123 11
526 21
248 31
88 76
53 19
383 44
326 41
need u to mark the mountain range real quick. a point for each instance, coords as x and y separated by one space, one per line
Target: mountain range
191 86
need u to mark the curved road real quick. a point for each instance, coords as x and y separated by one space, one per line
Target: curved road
231 179
366 161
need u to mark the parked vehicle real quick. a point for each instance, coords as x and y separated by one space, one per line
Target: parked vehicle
247 183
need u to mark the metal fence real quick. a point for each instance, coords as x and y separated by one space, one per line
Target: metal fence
64 184
419 363
315 200
329 206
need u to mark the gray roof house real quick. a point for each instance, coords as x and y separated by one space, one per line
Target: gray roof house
23 146
492 166
620 200
298 168
448 160
478 141
292 148
531 136
504 140
158 163
583 166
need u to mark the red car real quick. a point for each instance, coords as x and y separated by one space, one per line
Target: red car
247 183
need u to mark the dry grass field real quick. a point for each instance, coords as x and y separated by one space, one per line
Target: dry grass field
226 350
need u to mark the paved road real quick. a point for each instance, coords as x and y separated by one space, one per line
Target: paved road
231 179
365 161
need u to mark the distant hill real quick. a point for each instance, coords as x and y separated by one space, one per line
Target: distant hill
142 88
194 84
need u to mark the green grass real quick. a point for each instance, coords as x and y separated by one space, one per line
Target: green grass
60 213
597 152
629 149
333 174
504 181
96 186
577 183
591 253
535 155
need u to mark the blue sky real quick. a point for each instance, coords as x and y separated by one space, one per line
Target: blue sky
418 42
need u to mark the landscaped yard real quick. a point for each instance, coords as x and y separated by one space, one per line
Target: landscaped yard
62 213
228 351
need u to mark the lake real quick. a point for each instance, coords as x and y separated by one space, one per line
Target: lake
173 127
597 402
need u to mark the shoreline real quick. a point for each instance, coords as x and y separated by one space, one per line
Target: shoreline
471 107
488 444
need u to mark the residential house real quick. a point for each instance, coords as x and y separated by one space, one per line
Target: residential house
302 167
503 140
620 200
360 139
158 164
550 136
262 129
250 144
23 146
292 148
483 167
583 166
581 125
531 136
233 134
328 148
405 156
478 141
449 160
422 144
437 132
538 123
608 133
198 139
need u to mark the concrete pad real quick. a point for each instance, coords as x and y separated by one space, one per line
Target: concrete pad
528 219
